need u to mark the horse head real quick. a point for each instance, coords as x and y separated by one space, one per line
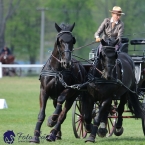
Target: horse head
108 56
64 44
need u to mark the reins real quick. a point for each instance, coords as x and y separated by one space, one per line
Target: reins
56 58
93 42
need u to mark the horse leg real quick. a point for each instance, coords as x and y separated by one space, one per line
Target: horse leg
59 134
41 117
52 120
119 129
87 111
104 106
61 118
102 131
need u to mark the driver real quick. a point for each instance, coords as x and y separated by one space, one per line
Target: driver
5 51
111 28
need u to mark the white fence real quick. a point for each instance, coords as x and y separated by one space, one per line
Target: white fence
18 66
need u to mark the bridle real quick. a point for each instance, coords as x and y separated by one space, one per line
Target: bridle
58 47
109 66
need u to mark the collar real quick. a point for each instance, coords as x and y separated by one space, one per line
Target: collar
113 21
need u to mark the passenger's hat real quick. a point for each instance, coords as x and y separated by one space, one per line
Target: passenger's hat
117 10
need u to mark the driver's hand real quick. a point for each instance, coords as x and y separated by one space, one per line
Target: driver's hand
98 39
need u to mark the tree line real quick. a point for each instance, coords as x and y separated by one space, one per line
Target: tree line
20 23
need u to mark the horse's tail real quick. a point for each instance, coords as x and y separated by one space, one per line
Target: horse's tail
135 106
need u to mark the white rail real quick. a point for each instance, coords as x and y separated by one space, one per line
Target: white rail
18 66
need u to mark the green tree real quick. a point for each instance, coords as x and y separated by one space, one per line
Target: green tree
78 11
23 33
23 26
7 10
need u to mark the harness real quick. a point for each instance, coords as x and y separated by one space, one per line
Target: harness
98 80
59 76
117 81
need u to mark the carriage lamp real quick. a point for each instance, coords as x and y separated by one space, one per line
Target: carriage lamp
92 54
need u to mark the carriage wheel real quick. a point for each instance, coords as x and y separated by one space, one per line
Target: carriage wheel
112 119
18 71
111 123
14 71
143 120
141 98
143 126
78 120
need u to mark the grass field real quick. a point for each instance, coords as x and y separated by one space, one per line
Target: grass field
22 97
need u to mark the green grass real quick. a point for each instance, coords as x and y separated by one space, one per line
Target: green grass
22 97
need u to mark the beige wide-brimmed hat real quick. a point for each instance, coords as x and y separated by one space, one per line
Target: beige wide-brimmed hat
117 10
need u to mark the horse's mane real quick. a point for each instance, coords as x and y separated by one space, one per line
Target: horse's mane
65 27
125 56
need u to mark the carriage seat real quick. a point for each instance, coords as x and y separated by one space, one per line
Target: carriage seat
124 40
124 47
137 59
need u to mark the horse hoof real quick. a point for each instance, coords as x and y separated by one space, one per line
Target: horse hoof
35 139
90 139
58 136
51 137
118 131
102 132
50 122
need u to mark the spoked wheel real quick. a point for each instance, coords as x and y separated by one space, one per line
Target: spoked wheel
111 123
18 71
143 120
78 120
141 98
143 126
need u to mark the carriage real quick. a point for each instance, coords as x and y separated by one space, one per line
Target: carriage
68 76
9 71
137 54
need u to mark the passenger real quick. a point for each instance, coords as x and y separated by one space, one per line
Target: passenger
111 28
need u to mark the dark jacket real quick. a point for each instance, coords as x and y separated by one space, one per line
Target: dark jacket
3 51
107 31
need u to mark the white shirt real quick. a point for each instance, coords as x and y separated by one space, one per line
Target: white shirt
113 21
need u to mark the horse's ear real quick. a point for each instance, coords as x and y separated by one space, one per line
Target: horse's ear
103 42
57 28
71 28
116 41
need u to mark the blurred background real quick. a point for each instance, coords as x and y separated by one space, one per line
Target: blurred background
27 26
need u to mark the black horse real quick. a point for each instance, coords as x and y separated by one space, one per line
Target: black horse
112 77
59 72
